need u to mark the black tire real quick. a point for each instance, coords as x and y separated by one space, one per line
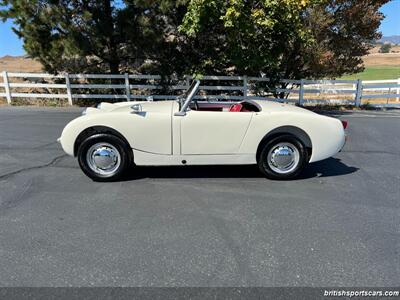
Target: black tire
124 159
295 169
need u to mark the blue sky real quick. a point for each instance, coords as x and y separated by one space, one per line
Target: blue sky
391 24
11 45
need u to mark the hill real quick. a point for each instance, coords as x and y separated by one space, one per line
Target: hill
393 39
19 64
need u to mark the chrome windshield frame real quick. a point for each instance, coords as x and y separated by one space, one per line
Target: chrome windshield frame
191 92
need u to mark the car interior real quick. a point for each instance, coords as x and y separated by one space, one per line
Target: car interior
188 100
243 106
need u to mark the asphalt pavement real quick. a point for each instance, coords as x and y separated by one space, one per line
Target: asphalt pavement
337 225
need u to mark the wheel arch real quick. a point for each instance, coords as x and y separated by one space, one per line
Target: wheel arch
292 130
95 130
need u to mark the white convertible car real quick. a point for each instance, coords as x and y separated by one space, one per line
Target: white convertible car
280 138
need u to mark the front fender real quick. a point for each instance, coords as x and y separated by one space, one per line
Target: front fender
71 132
147 131
99 122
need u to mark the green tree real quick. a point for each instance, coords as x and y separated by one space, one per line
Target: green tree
95 36
282 39
385 48
279 38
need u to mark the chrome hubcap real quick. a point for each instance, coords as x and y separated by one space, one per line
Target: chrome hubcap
103 158
283 158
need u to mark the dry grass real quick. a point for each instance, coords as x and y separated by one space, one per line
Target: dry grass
382 59
374 58
19 64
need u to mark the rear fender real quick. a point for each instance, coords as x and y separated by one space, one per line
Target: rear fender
295 131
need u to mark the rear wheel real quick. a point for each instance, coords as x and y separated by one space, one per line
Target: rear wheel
283 157
104 157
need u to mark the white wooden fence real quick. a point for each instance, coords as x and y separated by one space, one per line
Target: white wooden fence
127 87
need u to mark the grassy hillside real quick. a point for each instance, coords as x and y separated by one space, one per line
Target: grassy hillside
376 73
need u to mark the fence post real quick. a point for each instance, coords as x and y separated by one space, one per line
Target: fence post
127 87
7 87
245 87
359 92
301 93
398 90
69 92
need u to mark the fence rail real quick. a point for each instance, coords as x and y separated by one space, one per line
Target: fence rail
129 87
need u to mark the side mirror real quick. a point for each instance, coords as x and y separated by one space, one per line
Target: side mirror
137 108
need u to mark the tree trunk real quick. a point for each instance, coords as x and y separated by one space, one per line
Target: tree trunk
114 67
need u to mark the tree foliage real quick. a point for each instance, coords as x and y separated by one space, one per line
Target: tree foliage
286 38
246 37
278 38
95 35
385 48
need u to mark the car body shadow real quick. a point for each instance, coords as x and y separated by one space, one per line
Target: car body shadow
330 167
326 168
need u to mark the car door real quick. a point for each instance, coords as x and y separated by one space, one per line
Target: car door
149 130
210 132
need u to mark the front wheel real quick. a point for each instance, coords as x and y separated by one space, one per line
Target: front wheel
283 157
104 157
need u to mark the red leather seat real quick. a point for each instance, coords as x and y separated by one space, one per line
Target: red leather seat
236 107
